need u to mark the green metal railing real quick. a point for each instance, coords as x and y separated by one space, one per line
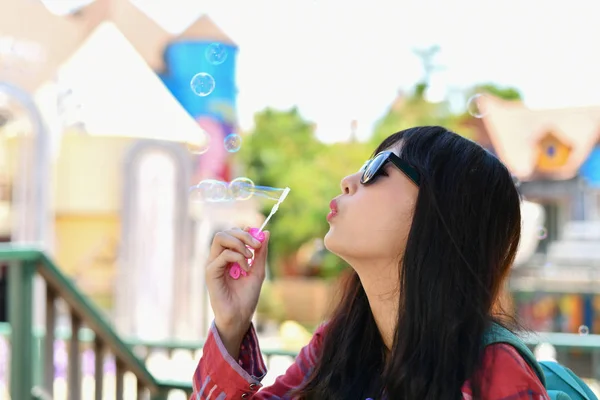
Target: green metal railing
27 355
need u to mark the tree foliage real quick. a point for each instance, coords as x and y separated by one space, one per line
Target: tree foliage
505 93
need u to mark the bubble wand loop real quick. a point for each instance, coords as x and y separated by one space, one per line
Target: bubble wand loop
236 270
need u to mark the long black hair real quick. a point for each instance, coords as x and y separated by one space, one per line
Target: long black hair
462 243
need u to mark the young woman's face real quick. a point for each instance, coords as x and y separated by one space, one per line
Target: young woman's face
371 222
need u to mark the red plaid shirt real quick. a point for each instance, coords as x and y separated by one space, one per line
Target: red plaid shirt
220 377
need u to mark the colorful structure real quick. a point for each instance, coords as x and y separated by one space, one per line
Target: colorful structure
116 215
556 156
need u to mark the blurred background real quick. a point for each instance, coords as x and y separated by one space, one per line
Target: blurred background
125 127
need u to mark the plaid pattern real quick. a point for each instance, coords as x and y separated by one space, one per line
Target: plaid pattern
220 377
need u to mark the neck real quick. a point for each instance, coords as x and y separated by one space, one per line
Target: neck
380 281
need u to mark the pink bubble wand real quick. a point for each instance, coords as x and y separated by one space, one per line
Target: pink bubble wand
236 270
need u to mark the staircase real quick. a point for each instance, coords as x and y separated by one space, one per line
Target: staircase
32 366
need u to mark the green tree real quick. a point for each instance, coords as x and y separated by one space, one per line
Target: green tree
281 151
506 93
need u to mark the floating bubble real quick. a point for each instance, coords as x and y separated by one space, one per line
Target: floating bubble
266 192
475 106
542 233
241 188
216 54
232 142
210 191
584 330
202 84
199 147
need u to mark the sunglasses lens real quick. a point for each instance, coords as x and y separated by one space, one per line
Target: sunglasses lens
372 167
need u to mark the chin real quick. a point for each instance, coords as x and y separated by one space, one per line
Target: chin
327 240
336 245
331 243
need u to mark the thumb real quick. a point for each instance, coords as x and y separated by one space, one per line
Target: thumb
260 255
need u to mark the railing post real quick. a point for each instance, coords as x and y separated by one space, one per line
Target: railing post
49 340
161 394
20 317
98 368
74 367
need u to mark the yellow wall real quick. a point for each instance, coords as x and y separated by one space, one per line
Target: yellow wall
89 174
86 250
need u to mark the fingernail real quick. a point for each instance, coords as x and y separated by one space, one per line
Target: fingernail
257 234
235 271
248 254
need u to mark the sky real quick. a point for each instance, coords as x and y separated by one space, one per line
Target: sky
340 61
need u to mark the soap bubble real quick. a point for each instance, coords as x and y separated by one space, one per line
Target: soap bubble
199 147
210 191
216 53
266 192
202 84
232 142
241 188
475 106
542 233
584 330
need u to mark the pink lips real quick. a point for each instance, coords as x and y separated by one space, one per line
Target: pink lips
334 210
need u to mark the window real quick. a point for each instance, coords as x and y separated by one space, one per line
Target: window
552 153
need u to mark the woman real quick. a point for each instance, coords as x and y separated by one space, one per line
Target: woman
430 227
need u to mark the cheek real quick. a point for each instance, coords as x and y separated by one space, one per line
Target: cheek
389 226
377 228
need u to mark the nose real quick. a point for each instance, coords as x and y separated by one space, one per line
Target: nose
350 183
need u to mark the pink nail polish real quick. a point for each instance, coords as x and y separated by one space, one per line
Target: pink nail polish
257 234
235 271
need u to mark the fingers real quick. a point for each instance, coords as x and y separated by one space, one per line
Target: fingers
227 257
234 239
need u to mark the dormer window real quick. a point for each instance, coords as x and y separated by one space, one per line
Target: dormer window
553 153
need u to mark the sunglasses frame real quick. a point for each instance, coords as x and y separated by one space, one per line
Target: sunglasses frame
408 170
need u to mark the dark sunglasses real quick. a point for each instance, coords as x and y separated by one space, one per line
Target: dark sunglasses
372 167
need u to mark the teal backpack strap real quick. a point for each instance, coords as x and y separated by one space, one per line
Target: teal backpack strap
564 374
498 334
